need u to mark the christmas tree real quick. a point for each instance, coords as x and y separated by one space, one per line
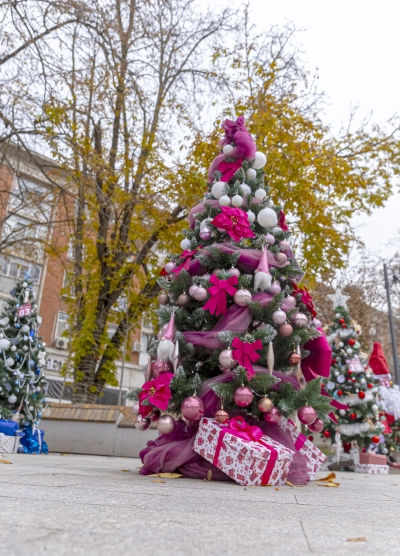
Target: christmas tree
235 326
353 385
22 356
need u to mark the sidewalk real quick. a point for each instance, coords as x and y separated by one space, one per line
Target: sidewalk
87 505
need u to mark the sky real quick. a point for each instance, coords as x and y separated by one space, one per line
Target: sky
355 45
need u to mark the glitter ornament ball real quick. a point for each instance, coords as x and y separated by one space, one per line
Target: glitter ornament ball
183 300
243 396
226 359
159 366
300 319
273 417
269 238
200 294
242 297
165 424
135 408
205 234
192 408
279 316
307 415
317 426
169 267
192 289
163 299
275 289
264 404
285 330
221 416
142 424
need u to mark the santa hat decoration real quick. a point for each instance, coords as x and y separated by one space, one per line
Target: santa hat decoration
263 278
377 361
165 348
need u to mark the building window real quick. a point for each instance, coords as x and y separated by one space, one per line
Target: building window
61 324
19 269
68 284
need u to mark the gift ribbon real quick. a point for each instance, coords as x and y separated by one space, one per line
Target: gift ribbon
300 440
217 302
187 255
245 354
238 427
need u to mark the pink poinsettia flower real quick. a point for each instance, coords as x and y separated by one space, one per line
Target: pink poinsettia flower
155 392
235 222
282 221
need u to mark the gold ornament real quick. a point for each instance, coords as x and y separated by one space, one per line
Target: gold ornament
295 358
264 405
221 416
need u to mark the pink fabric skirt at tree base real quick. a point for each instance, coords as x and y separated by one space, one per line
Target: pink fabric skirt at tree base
174 451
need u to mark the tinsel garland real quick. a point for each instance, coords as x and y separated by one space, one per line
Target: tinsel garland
355 400
390 400
31 444
353 429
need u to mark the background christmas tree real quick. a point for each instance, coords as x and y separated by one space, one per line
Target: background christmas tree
352 384
22 356
234 323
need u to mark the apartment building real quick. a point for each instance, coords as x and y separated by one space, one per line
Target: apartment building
31 212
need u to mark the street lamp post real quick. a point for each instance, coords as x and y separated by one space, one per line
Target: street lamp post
391 323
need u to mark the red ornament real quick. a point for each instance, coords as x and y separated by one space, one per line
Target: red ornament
311 438
353 416
344 326
334 360
351 342
340 392
361 395
369 385
349 372
342 321
353 380
375 439
327 434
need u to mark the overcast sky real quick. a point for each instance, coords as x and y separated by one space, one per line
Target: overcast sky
355 44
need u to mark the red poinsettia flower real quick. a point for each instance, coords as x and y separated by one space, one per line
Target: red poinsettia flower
305 298
235 222
229 169
282 221
157 393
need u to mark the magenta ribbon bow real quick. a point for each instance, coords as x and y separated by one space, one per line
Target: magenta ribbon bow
237 426
187 255
229 169
245 354
217 302
318 362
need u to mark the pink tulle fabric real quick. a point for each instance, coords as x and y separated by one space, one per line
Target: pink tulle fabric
174 451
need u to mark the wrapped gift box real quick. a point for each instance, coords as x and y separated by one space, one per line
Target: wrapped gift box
9 428
10 444
314 457
248 462
371 468
371 458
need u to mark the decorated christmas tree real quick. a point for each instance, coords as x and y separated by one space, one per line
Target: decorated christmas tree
352 384
22 356
236 329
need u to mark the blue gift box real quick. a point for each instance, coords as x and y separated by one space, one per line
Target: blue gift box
31 442
9 428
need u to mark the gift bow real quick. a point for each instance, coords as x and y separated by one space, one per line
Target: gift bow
245 354
187 255
217 302
318 362
237 426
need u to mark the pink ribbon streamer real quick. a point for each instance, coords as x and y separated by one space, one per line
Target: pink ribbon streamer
333 403
188 259
217 302
318 362
245 354
300 440
238 427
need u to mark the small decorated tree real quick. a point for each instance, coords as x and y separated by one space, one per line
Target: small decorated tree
22 356
235 326
352 384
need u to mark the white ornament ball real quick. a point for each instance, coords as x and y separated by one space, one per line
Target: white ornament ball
242 297
349 351
246 189
260 160
260 194
226 359
267 217
224 201
10 361
342 412
338 316
300 319
237 200
227 150
251 173
25 328
218 189
185 244
279 316
374 407
4 343
251 216
24 285
12 398
340 344
204 223
13 348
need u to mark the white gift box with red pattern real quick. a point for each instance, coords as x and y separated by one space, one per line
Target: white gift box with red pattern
248 462
371 468
314 457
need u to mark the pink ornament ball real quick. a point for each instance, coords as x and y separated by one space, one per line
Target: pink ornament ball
200 294
163 299
317 426
272 417
169 267
234 272
285 330
216 271
205 234
206 276
284 245
183 300
317 323
142 424
226 359
243 396
135 408
279 316
192 408
275 289
165 424
281 257
154 415
242 297
159 366
269 238
307 415
290 301
300 319
192 289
